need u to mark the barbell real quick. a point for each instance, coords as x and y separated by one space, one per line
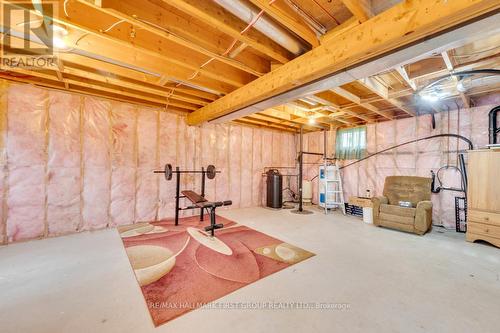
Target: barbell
169 171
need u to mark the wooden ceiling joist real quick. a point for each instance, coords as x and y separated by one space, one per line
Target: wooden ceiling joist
111 7
356 99
288 18
91 40
381 90
398 26
267 124
212 14
109 69
96 22
361 9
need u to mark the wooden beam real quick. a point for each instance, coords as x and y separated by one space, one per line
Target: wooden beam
54 84
159 46
109 88
264 123
378 88
356 99
404 74
402 24
91 40
340 29
283 115
361 9
449 65
109 69
108 6
288 18
217 17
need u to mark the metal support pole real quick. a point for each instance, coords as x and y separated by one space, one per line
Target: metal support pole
301 210
177 193
325 141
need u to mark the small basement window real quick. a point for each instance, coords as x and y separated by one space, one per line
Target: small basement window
351 143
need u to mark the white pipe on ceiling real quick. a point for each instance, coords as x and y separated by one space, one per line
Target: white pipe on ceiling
271 29
473 82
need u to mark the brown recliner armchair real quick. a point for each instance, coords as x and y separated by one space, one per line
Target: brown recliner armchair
388 213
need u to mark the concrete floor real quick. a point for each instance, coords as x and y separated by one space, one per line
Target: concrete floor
392 281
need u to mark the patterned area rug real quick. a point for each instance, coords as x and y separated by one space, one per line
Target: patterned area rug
180 268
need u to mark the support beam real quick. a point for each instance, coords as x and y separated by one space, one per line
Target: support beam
361 9
402 24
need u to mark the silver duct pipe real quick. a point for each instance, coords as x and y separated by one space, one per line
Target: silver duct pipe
473 82
275 32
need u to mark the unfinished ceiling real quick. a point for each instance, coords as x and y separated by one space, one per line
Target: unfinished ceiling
184 54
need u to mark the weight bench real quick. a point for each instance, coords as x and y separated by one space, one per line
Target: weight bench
200 202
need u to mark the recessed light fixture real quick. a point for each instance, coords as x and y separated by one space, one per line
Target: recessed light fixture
312 121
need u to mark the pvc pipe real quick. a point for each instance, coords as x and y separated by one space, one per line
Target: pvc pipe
274 31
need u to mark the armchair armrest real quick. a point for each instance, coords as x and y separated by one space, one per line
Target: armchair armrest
423 217
377 201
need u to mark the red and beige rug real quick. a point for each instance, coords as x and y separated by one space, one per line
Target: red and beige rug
180 268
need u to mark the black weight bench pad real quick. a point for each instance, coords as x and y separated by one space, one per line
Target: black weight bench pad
201 202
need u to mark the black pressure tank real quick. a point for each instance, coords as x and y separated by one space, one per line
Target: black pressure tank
274 189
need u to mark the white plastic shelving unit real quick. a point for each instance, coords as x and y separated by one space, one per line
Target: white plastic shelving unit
330 191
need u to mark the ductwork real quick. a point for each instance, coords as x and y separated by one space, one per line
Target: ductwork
473 82
246 12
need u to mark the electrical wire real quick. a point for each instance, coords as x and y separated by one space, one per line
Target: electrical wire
227 51
469 142
65 7
113 25
327 12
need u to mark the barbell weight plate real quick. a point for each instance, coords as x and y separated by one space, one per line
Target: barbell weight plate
211 172
168 171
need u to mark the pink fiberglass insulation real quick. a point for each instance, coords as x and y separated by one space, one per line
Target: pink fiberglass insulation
168 155
258 167
27 158
81 163
191 181
276 146
208 144
124 163
415 159
235 164
64 176
147 181
222 154
96 163
246 167
267 158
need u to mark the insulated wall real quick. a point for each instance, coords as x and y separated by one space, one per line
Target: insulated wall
70 163
417 159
